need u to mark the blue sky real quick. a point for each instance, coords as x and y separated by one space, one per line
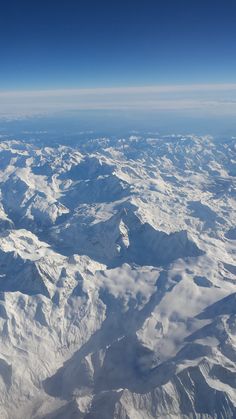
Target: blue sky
169 59
51 44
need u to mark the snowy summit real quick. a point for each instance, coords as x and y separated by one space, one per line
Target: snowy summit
117 279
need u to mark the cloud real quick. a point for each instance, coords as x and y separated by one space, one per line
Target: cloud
200 98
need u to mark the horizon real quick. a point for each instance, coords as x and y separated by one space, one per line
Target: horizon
190 99
150 61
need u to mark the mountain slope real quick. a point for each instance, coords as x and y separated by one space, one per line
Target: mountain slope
117 279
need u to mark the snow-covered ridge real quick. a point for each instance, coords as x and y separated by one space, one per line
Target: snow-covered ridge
117 279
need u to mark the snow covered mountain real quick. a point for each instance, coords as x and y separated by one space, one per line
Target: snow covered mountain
117 279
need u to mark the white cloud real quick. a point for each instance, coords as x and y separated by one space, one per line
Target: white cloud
211 98
120 90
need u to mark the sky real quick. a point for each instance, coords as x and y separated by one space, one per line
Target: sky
74 52
74 43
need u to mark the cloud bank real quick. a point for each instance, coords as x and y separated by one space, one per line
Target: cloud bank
213 99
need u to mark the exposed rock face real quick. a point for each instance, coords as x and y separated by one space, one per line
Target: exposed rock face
117 280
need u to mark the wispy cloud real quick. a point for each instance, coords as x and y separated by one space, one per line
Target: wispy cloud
121 90
211 98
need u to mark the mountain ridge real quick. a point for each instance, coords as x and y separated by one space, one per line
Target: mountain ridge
117 279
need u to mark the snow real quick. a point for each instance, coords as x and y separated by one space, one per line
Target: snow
117 279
